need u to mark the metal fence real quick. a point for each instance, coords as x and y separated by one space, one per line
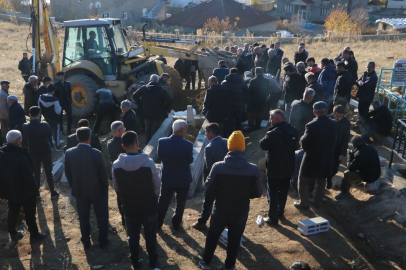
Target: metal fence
399 142
395 100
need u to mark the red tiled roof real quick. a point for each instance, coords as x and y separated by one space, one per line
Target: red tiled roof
198 15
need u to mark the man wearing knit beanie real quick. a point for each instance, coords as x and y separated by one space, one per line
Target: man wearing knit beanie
233 182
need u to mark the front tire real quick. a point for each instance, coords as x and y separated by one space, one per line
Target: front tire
83 95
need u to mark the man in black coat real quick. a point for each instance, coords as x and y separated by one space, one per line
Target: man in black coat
363 166
215 151
221 72
351 65
106 106
238 91
87 176
31 94
16 114
25 67
155 104
128 116
217 103
343 137
295 85
258 92
183 67
366 89
377 122
17 185
302 112
280 141
274 63
39 138
64 94
318 143
115 148
72 140
318 88
278 51
343 86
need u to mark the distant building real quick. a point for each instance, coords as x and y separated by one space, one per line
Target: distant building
314 10
374 5
245 17
396 4
129 11
389 25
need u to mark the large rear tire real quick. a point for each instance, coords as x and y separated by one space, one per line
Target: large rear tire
83 95
176 80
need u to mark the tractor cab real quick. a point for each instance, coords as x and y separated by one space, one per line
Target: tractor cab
99 41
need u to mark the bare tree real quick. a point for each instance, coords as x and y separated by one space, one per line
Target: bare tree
360 17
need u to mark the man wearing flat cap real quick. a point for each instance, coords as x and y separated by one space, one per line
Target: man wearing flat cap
63 93
16 114
318 143
4 116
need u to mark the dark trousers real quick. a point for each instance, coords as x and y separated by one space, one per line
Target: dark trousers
181 194
68 111
151 126
4 129
193 79
236 226
349 179
234 121
187 79
120 210
101 209
47 162
277 195
103 111
29 207
304 190
133 231
206 208
363 109
254 121
55 133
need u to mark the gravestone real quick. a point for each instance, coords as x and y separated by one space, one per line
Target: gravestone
399 72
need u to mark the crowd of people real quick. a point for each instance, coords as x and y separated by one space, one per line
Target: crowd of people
307 141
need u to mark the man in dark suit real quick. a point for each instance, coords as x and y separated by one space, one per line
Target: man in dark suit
302 112
176 155
281 142
64 94
87 175
155 104
215 151
17 185
115 148
318 143
343 137
39 138
278 51
72 140
128 116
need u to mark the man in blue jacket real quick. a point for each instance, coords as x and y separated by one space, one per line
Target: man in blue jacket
16 114
221 72
328 79
176 155
366 89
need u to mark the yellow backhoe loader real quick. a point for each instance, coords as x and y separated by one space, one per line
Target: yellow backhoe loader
95 55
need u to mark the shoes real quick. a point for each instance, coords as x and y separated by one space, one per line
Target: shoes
270 222
343 195
54 195
17 236
199 226
204 265
299 205
37 238
58 148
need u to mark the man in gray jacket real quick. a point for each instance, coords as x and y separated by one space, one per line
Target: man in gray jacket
136 178
214 152
87 175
